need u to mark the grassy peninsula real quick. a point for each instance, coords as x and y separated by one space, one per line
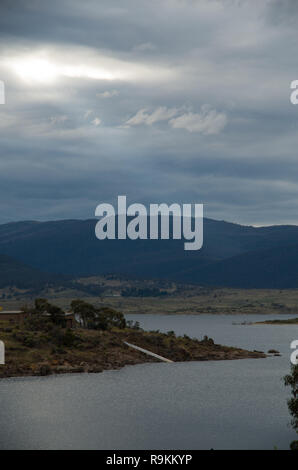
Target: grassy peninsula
43 345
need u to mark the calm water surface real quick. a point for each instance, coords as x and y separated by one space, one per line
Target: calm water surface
199 405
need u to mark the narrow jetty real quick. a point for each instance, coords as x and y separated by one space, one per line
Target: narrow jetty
145 351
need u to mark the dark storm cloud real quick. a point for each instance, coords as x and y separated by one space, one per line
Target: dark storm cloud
122 26
173 101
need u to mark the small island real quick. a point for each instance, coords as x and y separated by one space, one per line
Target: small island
289 321
46 340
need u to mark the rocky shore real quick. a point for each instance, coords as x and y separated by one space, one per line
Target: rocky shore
36 354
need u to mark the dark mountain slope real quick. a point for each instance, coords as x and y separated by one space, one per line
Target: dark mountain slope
15 273
274 268
70 247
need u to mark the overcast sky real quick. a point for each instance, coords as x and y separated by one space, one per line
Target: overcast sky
163 101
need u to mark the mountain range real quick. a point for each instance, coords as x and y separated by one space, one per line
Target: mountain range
232 255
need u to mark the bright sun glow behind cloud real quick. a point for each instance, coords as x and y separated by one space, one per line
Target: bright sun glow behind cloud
35 70
44 70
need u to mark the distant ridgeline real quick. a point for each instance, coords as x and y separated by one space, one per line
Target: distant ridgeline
232 255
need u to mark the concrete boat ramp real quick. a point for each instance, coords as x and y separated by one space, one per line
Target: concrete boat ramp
149 353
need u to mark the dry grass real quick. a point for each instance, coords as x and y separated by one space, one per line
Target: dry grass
184 300
39 352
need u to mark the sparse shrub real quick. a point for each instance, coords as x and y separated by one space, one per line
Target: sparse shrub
171 333
291 380
38 323
69 338
45 370
58 350
60 337
28 340
294 445
133 325
208 341
7 330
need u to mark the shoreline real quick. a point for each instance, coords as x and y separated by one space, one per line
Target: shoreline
73 371
77 370
97 351
287 321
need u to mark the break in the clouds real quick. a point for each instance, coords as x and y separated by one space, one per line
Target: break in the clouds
173 101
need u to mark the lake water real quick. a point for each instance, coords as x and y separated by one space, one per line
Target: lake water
198 405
